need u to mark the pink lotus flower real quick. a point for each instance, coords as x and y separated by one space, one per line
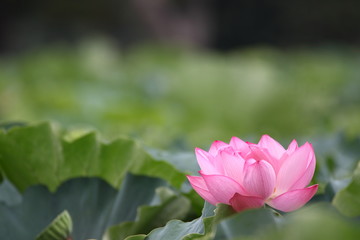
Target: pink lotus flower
248 175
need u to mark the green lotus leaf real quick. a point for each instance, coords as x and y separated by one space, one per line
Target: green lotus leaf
93 205
200 228
36 155
347 200
150 217
9 195
59 229
315 221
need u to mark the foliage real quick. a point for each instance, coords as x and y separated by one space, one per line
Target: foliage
43 157
60 228
133 207
347 200
93 205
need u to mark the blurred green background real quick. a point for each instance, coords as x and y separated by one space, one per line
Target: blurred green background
169 97
174 90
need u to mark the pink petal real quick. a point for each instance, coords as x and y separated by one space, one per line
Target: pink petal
216 146
293 200
221 187
292 147
294 167
206 162
200 187
233 165
239 145
249 162
275 149
259 179
260 153
240 202
307 176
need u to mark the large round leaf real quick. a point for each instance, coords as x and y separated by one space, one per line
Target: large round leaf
347 200
92 203
36 155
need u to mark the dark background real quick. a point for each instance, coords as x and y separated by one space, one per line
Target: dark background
215 24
